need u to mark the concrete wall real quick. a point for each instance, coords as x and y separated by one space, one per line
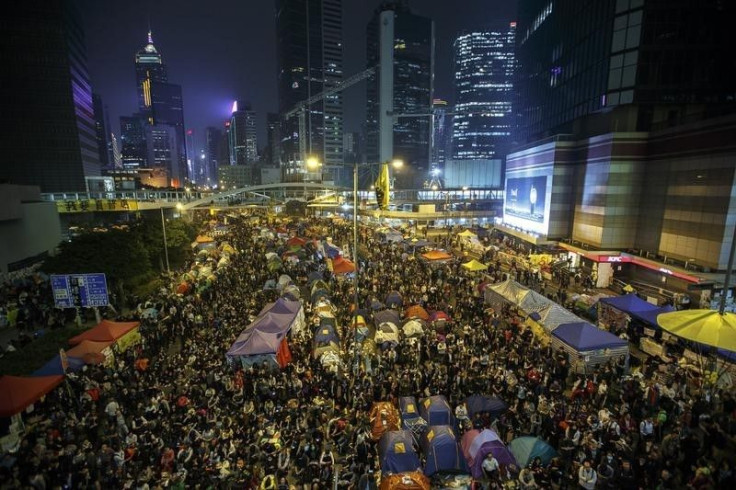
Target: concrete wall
37 230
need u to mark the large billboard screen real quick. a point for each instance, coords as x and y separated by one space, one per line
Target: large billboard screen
526 202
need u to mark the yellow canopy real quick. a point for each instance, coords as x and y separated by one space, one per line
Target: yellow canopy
703 326
204 239
467 233
474 266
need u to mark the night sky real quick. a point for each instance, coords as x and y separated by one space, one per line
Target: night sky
220 50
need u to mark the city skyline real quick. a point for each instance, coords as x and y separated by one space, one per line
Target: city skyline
232 60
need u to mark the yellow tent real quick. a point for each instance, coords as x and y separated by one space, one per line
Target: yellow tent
467 233
475 266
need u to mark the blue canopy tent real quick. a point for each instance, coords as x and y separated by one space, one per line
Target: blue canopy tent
254 346
440 446
332 251
396 452
481 403
631 304
588 346
436 411
54 367
394 300
650 316
526 448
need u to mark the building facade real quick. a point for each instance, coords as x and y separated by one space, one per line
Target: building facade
101 130
441 133
412 89
242 134
133 143
47 122
310 60
484 71
149 68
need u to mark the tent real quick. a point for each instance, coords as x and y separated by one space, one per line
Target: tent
90 352
105 331
526 448
412 480
436 411
341 265
474 266
332 251
467 233
510 291
204 239
295 241
481 403
554 315
434 255
284 280
283 306
396 452
650 316
54 367
439 316
442 451
630 304
413 328
416 311
17 393
387 334
384 417
588 345
319 294
476 446
393 299
390 316
408 408
291 292
325 334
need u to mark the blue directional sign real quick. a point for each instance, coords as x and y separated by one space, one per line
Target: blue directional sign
79 290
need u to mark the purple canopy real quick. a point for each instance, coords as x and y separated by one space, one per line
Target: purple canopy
252 342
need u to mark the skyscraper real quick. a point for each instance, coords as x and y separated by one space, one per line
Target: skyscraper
413 86
133 151
243 137
214 158
484 70
100 129
273 133
309 47
47 123
149 67
442 132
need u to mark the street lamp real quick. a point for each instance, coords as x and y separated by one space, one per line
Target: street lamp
166 244
396 163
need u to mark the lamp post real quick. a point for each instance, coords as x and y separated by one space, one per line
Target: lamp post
166 245
395 164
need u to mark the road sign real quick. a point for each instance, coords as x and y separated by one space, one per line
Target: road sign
79 290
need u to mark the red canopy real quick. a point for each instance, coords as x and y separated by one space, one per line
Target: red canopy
17 392
436 255
295 240
89 351
105 331
342 266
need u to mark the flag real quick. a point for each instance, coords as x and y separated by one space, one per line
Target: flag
382 187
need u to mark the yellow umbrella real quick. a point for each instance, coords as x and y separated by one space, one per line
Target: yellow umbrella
707 327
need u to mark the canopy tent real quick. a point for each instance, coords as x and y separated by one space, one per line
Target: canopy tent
295 241
55 367
526 448
416 311
90 352
384 417
412 480
554 315
512 292
105 331
485 404
396 452
436 411
650 316
474 266
588 346
630 304
342 265
332 251
253 342
442 451
434 255
707 327
476 446
390 316
17 393
413 328
394 300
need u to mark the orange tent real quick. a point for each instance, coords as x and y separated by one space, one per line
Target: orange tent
436 255
411 480
416 311
296 241
383 417
342 266
90 352
105 331
17 392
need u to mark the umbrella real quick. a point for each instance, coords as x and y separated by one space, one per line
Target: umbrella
525 449
707 327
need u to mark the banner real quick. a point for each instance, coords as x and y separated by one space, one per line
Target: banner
128 340
383 187
94 205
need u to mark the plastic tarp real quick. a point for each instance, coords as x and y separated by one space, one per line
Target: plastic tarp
436 255
416 311
554 315
476 446
386 316
585 337
17 393
394 300
413 480
413 328
526 448
442 451
105 331
383 417
436 411
396 452
481 403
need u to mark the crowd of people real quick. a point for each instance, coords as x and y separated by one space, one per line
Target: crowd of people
172 412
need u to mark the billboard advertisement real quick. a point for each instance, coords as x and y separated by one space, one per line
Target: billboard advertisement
526 203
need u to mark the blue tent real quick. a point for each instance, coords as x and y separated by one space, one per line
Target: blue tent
314 276
325 334
386 316
436 411
630 304
396 452
583 337
526 448
650 316
53 367
409 411
440 446
481 403
253 342
332 251
393 299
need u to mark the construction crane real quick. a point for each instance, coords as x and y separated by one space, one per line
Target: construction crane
302 107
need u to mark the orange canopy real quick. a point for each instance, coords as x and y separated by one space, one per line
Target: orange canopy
105 331
436 255
411 480
17 392
89 351
416 311
204 239
342 266
295 240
